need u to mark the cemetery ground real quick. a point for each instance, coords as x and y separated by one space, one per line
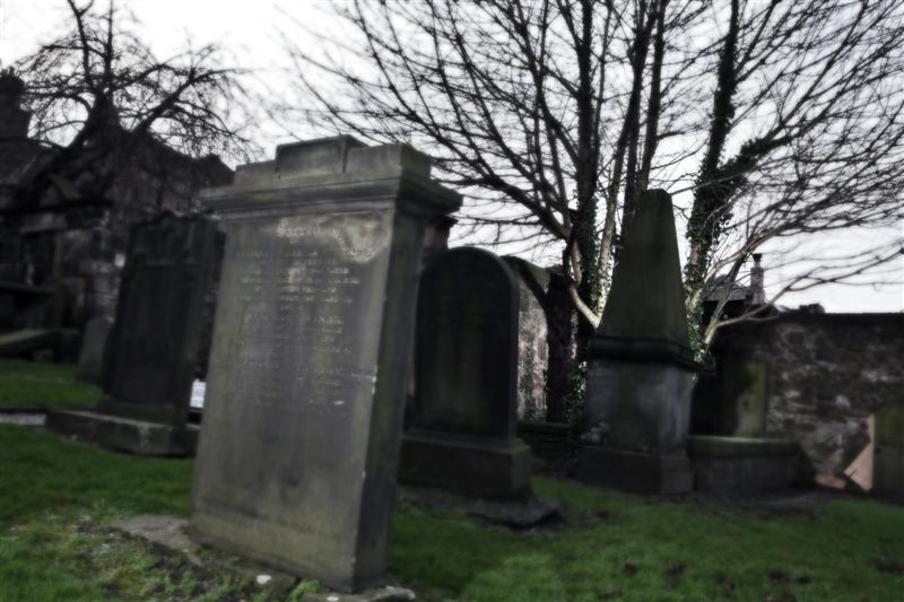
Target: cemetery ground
58 497
28 385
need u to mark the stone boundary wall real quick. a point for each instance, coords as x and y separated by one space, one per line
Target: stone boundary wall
827 374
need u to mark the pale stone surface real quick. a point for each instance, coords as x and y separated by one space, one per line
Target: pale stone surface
388 593
25 418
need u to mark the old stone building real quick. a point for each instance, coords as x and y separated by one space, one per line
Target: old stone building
62 247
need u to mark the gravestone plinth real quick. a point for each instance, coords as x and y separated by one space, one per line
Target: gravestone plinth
299 448
640 366
152 351
461 424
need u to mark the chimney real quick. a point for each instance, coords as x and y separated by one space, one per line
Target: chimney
14 120
757 280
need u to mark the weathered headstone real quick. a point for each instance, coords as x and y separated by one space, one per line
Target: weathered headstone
533 338
297 459
637 404
91 356
154 345
461 426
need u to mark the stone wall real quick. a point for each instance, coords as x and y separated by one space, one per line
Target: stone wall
532 340
826 376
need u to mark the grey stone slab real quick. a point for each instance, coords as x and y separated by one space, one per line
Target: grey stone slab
153 347
635 471
389 593
711 445
309 363
170 534
743 465
94 344
141 437
167 531
23 417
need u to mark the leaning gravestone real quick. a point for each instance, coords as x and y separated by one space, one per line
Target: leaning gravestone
641 368
91 356
297 458
153 348
462 420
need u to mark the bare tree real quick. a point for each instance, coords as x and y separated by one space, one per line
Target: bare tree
99 96
772 118
536 105
805 136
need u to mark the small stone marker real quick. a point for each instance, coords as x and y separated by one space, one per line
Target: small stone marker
637 405
461 426
91 356
303 413
153 348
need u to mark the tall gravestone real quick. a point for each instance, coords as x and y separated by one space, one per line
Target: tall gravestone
153 349
641 368
299 448
461 424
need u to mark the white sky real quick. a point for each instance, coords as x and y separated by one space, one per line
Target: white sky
252 32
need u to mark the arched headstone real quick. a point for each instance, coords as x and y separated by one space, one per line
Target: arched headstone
462 420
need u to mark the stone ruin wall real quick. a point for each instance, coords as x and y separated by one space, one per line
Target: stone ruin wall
827 375
532 356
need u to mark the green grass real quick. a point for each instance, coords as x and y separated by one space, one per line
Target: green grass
56 495
28 385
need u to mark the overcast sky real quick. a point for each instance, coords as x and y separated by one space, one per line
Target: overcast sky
252 33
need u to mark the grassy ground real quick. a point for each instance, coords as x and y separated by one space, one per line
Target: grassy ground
36 385
56 495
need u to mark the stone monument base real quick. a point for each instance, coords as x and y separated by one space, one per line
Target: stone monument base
634 471
468 465
139 437
743 465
